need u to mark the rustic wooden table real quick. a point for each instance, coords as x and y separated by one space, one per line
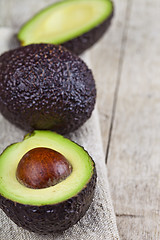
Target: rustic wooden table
129 107
126 66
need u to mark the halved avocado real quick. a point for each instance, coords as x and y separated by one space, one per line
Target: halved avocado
77 24
49 209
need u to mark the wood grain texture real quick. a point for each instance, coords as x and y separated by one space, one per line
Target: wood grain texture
134 154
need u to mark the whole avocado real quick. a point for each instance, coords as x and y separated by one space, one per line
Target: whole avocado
45 86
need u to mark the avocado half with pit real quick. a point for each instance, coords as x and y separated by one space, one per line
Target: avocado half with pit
45 86
76 24
47 182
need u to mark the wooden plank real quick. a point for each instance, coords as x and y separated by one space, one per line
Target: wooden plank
133 161
105 58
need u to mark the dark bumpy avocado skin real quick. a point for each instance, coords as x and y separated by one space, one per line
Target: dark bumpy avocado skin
79 44
43 86
51 218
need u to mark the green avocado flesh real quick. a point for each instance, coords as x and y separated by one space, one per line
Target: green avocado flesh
64 21
82 170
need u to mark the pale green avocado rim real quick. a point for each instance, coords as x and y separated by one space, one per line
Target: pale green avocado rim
27 32
81 162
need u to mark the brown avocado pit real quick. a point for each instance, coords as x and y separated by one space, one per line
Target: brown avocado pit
42 167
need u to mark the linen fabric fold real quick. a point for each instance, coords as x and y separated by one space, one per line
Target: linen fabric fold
99 222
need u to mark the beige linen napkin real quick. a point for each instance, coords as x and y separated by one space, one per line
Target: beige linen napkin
99 222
